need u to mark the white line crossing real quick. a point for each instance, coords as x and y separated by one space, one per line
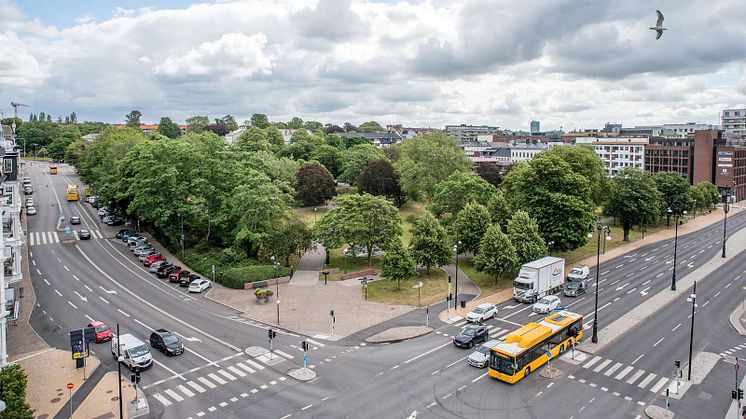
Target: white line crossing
247 368
602 365
591 362
286 355
206 382
612 369
56 237
254 364
647 380
43 238
174 395
31 239
635 376
196 386
227 375
185 390
623 373
166 402
237 371
659 385
319 344
216 378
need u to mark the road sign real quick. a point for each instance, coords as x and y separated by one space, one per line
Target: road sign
305 358
70 386
549 354
67 229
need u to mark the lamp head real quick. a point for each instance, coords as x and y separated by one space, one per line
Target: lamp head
669 211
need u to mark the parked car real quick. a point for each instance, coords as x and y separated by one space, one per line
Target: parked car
28 190
114 220
144 255
547 304
362 251
575 288
164 272
29 202
166 342
471 335
481 313
143 249
84 235
102 331
74 219
186 280
481 357
136 241
103 212
175 275
150 259
126 236
96 204
155 266
120 234
199 285
30 210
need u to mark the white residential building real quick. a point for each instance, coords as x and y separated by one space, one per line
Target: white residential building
465 132
525 152
618 153
733 120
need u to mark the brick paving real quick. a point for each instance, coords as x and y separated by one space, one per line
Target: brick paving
103 401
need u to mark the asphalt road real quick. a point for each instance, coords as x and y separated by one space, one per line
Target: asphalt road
100 279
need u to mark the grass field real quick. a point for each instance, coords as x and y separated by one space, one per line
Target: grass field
434 289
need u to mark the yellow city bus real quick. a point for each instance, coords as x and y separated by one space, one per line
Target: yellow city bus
52 170
528 348
72 193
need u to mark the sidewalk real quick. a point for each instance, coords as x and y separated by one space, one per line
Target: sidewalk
103 401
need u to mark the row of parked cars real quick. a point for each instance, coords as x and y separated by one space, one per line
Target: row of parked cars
157 263
28 189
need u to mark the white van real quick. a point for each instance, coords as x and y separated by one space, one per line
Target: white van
135 353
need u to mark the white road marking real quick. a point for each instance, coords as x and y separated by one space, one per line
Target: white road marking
56 237
46 282
591 362
103 299
237 371
479 378
76 278
646 282
174 395
306 407
635 376
677 326
637 359
254 364
206 382
88 288
247 368
216 378
612 369
227 375
74 306
623 373
426 353
90 319
647 380
58 293
185 390
602 365
196 386
659 341
286 355
162 399
659 385
123 312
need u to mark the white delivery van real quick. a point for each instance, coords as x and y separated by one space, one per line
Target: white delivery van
135 353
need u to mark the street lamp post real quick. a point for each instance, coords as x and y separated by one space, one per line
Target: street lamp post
276 264
725 219
692 299
549 246
314 214
326 273
600 229
456 248
675 246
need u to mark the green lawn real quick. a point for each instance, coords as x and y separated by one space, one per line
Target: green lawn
485 282
406 212
434 289
354 264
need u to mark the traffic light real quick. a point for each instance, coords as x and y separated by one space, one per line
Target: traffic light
135 376
271 334
740 394
733 394
304 345
677 363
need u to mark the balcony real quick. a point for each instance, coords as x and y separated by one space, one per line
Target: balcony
12 265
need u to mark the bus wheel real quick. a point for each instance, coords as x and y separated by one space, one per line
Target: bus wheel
528 372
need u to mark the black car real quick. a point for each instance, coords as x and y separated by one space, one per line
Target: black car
121 233
74 219
185 280
471 335
166 342
165 272
84 235
114 220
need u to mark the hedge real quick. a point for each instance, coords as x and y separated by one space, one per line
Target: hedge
14 381
223 259
237 276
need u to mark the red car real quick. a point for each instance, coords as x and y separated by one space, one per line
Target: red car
152 259
102 331
174 275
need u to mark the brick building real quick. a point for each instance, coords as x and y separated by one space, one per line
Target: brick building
720 161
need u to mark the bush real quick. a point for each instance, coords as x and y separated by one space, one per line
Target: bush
14 381
236 277
223 259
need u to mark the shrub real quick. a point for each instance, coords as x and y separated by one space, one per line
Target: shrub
14 381
223 259
236 277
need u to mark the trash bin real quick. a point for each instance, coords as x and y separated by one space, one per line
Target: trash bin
463 304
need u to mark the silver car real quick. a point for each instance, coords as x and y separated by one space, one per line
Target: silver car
481 357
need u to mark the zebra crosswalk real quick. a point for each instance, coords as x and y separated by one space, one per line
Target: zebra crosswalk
38 238
623 373
494 331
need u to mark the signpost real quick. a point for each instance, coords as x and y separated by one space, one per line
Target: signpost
419 293
334 320
70 387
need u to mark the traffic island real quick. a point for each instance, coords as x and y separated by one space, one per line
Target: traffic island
656 412
550 372
263 355
398 334
302 374
738 319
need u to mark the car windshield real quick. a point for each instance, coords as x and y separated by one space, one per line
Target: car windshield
478 310
545 301
169 339
576 272
468 331
572 285
138 351
521 285
484 350
502 363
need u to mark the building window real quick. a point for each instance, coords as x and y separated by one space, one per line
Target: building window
7 166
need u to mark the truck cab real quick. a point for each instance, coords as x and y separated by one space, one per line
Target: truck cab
135 353
539 278
579 273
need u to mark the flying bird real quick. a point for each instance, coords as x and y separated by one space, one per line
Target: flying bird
658 28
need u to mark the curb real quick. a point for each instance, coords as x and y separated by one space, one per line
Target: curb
735 320
416 331
657 412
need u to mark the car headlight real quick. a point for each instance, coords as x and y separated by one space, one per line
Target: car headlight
169 350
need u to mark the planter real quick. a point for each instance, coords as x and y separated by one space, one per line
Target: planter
268 299
260 300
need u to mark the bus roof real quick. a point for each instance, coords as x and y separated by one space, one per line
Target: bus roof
72 186
529 334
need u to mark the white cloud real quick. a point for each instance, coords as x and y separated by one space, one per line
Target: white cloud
570 63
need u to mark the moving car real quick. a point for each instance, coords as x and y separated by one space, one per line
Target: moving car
546 304
30 210
155 266
135 353
575 288
84 235
471 335
481 357
579 273
186 280
199 285
166 342
102 331
74 219
482 312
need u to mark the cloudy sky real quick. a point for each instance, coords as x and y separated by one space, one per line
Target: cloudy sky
568 63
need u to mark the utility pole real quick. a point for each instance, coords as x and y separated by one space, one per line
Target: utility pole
119 371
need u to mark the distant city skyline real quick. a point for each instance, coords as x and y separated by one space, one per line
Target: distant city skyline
418 63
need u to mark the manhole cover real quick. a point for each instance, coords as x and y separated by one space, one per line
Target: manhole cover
704 395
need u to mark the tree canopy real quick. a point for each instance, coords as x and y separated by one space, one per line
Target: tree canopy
132 119
633 199
496 253
675 192
459 189
430 245
314 184
524 235
356 159
584 161
397 263
379 178
169 128
470 225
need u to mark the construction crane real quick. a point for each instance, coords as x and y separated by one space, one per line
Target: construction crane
15 106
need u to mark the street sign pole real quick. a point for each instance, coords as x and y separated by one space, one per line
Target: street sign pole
70 389
427 316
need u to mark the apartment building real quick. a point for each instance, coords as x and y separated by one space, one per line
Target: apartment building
465 132
618 153
525 151
733 120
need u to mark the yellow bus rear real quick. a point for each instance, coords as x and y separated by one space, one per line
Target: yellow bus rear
525 350
52 170
72 193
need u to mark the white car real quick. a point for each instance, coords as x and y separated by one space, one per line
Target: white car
103 211
482 312
547 304
481 357
30 210
199 285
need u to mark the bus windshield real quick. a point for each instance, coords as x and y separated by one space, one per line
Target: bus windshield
502 363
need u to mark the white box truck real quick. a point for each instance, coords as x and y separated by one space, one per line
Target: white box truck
539 278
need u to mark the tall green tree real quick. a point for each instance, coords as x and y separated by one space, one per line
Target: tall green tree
584 161
253 139
291 237
496 253
370 126
398 264
132 119
360 220
470 225
459 189
314 184
197 123
710 192
430 245
356 159
275 138
499 209
13 393
559 199
230 122
379 178
169 128
674 190
524 235
634 199
491 173
426 161
295 123
328 156
259 120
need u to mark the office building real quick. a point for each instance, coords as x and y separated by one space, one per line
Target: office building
733 120
535 127
465 132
